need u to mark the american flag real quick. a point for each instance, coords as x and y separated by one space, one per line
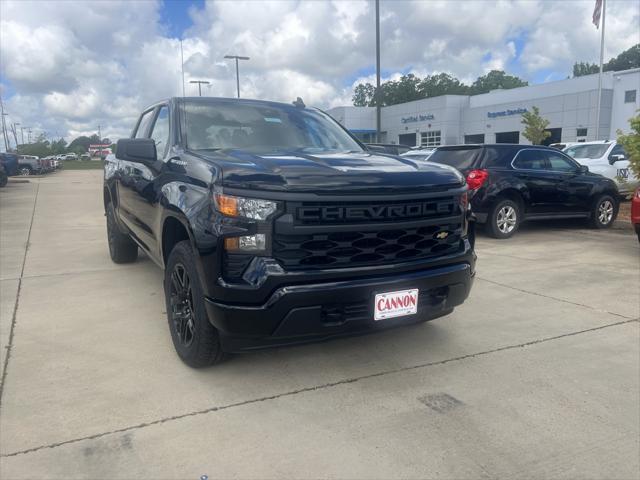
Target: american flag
597 12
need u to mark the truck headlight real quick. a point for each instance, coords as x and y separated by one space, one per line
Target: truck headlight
253 208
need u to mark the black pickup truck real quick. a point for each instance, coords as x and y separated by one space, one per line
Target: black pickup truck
275 226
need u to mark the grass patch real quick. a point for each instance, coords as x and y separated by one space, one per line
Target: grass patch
82 164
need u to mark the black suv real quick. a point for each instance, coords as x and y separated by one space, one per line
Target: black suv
275 226
512 183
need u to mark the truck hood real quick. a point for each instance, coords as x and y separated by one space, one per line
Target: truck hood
332 173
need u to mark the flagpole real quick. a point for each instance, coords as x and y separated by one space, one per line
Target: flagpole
604 9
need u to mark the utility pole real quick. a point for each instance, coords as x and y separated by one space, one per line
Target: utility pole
4 126
237 57
378 106
99 134
14 129
200 83
4 132
29 135
22 133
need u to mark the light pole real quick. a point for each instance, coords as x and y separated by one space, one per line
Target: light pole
237 57
378 99
200 83
22 133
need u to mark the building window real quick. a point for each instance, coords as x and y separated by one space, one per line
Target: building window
581 132
430 139
630 96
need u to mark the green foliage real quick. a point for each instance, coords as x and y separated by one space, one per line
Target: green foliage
409 88
40 149
494 80
631 144
363 95
58 147
441 84
535 127
628 59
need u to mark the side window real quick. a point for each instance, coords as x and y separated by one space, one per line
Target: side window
560 163
160 132
530 159
143 124
617 150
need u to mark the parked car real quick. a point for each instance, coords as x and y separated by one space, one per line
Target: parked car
562 146
9 162
418 153
71 156
274 226
85 156
4 178
635 212
29 165
513 183
608 159
390 148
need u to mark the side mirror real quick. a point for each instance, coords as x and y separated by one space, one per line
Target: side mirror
139 150
583 169
616 158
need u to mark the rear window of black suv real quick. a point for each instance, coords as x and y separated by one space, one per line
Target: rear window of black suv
466 157
461 158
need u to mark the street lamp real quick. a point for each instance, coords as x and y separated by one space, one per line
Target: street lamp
200 83
237 57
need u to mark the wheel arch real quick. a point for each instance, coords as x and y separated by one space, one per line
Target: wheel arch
175 229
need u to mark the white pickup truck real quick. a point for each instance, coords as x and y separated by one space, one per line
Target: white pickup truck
608 159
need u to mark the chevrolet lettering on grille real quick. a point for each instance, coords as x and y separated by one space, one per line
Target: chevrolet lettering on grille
381 212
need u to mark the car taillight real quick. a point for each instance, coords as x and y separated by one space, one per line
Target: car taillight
476 178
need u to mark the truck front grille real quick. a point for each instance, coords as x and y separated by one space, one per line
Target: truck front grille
366 247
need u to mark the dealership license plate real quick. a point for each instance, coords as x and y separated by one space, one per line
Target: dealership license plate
396 304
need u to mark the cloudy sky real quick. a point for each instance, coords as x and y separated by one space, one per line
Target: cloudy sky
67 67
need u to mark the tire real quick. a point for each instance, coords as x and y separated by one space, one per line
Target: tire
504 219
196 341
121 248
24 171
3 179
604 212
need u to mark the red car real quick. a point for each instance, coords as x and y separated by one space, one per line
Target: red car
635 212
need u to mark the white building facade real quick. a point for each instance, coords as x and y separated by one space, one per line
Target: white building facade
569 105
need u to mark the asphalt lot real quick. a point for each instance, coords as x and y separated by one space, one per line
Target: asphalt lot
536 376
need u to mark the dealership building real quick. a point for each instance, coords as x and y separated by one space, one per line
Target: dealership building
570 106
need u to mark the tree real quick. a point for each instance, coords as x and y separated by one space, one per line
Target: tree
535 127
58 146
441 84
494 80
628 59
584 68
631 144
363 95
81 142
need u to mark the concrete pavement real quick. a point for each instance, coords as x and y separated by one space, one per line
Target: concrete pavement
537 375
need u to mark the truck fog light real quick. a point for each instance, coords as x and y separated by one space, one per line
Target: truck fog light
248 243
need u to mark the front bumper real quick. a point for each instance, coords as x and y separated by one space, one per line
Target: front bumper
312 312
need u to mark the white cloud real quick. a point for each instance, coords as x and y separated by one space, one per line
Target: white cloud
69 66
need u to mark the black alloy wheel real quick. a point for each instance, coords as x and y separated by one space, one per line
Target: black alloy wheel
195 339
181 301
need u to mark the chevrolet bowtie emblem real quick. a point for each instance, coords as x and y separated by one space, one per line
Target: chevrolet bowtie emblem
442 235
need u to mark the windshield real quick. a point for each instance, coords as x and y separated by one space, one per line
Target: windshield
263 129
460 158
587 151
